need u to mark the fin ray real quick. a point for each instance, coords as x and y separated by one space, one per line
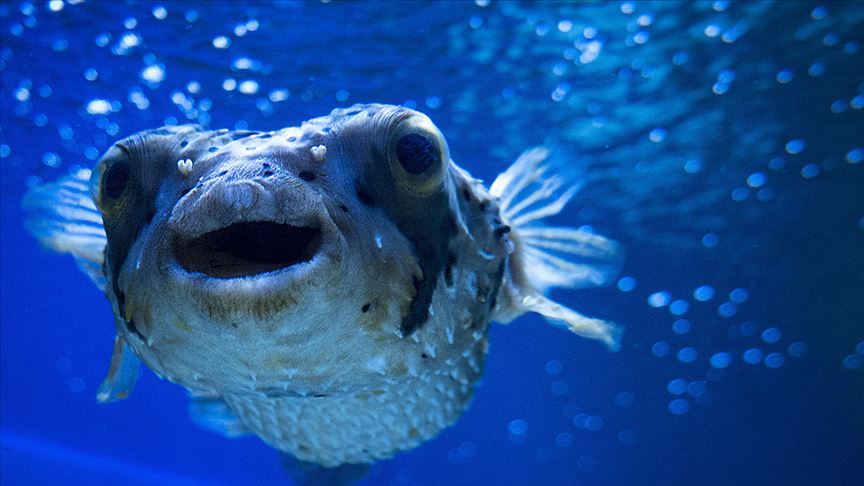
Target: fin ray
63 218
531 190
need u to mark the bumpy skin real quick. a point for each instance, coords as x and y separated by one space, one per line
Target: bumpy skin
368 348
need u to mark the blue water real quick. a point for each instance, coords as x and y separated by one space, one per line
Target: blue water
722 144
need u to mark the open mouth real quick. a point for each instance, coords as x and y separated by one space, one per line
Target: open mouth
247 248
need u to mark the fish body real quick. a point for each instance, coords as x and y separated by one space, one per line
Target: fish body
327 287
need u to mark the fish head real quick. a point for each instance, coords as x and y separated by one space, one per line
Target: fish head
293 261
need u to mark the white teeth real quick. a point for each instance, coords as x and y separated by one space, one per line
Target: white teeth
185 166
319 152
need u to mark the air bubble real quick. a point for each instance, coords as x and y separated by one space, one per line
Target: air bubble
564 440
679 406
756 180
816 69
692 166
626 284
727 309
810 171
677 386
627 437
720 360
660 349
687 355
704 293
774 360
659 299
855 155
797 349
772 335
553 367
657 135
752 356
795 146
221 42
710 240
739 296
785 76
681 326
852 362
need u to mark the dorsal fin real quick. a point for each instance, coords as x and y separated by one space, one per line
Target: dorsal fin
544 257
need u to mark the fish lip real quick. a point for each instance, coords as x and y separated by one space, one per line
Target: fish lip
211 238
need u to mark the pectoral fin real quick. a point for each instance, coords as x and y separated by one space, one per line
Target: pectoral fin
122 375
544 256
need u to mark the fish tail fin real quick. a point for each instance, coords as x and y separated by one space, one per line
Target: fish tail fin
545 257
62 216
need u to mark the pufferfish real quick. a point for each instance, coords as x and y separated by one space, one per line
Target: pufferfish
327 287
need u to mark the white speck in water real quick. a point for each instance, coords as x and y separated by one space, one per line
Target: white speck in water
98 107
448 330
378 241
221 42
248 87
319 152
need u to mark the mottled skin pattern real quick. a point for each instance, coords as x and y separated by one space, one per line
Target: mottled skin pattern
327 359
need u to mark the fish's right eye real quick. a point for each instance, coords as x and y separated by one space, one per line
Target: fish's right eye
116 179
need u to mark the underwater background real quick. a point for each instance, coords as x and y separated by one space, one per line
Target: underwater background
721 143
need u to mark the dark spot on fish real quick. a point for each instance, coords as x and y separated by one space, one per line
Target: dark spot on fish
160 131
483 206
364 196
326 129
424 355
501 231
343 207
319 395
222 173
365 308
268 173
466 193
183 143
307 175
266 165
212 149
496 284
448 270
240 134
292 139
131 327
266 135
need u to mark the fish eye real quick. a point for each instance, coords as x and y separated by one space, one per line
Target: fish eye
418 156
416 153
116 179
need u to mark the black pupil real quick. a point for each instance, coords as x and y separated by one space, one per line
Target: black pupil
416 153
116 179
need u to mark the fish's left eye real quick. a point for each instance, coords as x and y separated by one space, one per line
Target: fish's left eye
418 156
416 153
